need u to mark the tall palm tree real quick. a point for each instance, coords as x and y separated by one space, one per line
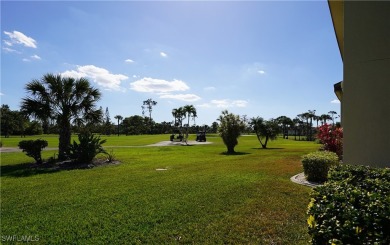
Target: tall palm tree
119 118
332 113
63 99
190 110
174 114
148 104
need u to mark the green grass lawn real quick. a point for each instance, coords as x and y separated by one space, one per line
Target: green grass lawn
204 196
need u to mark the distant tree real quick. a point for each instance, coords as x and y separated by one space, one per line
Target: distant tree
179 115
149 103
265 130
324 118
63 99
107 122
285 123
214 127
190 111
135 125
119 118
297 127
311 114
8 121
230 128
332 114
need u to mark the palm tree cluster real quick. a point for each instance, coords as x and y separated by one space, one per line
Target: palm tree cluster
181 113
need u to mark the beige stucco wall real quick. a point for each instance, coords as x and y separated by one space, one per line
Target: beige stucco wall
366 87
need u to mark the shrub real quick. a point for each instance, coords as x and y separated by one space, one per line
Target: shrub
33 148
352 207
89 146
331 138
111 156
317 164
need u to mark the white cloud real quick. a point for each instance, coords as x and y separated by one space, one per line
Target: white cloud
99 75
26 60
129 61
17 37
162 54
209 88
251 71
183 97
10 50
225 103
335 101
35 57
1 94
151 85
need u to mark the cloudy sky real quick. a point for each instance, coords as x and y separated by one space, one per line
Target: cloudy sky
255 58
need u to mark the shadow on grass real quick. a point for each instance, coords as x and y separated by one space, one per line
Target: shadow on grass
25 170
268 148
235 153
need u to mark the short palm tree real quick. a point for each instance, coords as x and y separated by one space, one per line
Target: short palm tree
65 100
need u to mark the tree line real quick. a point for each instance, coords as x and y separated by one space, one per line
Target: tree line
66 105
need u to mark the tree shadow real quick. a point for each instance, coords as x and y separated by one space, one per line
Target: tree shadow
268 148
30 169
235 153
25 170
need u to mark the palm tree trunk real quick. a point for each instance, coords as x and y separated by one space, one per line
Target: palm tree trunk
64 140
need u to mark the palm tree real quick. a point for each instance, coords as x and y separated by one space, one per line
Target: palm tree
332 113
190 110
149 103
324 118
119 118
63 99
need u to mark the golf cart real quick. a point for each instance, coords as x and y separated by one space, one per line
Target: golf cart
201 136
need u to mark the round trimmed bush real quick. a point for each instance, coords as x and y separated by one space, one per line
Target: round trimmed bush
316 165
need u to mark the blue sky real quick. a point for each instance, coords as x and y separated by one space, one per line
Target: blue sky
255 58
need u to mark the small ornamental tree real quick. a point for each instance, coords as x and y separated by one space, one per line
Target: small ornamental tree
332 139
230 129
33 148
265 130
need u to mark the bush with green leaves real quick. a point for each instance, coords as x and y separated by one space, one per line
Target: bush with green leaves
33 148
317 164
88 147
352 207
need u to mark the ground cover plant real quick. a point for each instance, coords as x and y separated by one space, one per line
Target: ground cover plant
352 207
199 195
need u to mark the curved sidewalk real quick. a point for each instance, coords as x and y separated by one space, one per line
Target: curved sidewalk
301 179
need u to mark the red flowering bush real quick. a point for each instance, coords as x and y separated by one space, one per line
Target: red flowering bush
332 139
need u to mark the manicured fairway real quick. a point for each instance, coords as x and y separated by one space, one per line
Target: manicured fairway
204 196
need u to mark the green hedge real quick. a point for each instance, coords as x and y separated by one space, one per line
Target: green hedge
317 164
352 207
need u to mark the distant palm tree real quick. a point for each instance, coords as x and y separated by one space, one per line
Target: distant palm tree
191 112
63 99
148 104
332 113
324 118
119 118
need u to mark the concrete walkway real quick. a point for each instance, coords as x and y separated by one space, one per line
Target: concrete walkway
301 179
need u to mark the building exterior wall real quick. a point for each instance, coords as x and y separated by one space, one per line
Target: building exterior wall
366 86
